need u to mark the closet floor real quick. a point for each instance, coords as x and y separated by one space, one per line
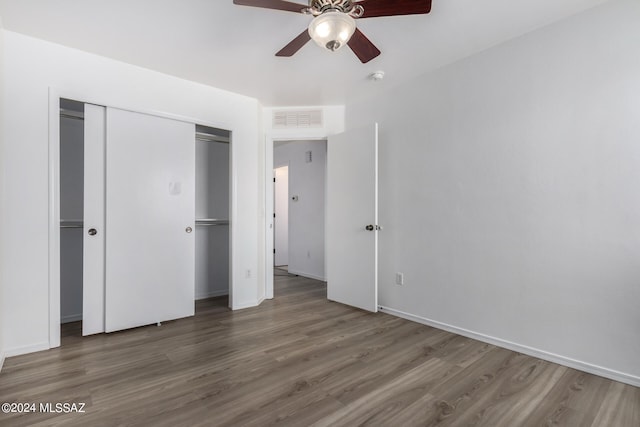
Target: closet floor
301 360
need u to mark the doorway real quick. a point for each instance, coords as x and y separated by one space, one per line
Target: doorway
299 205
213 195
71 216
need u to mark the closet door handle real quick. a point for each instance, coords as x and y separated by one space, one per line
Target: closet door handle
92 232
188 229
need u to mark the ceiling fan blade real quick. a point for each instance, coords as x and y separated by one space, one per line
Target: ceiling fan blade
374 8
273 4
362 47
295 45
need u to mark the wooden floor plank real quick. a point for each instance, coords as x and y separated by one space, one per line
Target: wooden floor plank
301 360
573 401
620 407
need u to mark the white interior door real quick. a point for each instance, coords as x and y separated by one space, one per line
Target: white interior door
352 218
94 230
150 199
282 216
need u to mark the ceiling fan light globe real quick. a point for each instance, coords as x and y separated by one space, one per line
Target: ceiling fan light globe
323 30
332 29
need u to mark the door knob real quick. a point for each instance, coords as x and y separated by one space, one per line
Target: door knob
369 227
188 229
92 232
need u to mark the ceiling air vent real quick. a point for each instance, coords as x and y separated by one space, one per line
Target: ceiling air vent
297 119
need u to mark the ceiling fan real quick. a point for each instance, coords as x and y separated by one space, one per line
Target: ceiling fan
334 24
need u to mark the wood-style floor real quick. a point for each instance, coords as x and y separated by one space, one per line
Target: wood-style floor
300 360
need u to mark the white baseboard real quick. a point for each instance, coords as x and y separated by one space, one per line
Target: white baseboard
307 275
212 294
71 318
27 349
1 360
530 351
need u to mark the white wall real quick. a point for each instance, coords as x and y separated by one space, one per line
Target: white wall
509 193
261 223
306 216
31 66
2 198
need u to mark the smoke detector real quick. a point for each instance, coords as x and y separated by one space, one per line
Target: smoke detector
376 76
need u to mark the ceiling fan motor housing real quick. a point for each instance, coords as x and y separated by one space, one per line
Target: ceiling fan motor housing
318 7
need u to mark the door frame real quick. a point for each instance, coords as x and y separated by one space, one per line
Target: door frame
54 193
270 140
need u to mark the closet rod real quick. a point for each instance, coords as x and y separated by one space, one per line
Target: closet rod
70 223
67 116
211 222
70 114
207 137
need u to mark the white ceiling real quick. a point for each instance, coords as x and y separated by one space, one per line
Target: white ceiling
232 47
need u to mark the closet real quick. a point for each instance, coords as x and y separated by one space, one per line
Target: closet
144 209
71 209
212 212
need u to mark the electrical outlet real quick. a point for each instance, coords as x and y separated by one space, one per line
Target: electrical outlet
249 273
399 279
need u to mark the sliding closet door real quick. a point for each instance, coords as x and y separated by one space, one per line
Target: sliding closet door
94 236
150 199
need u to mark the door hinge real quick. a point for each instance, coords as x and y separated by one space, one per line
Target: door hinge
274 180
274 214
274 250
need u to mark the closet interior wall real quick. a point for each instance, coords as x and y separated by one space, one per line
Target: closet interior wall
71 209
212 212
